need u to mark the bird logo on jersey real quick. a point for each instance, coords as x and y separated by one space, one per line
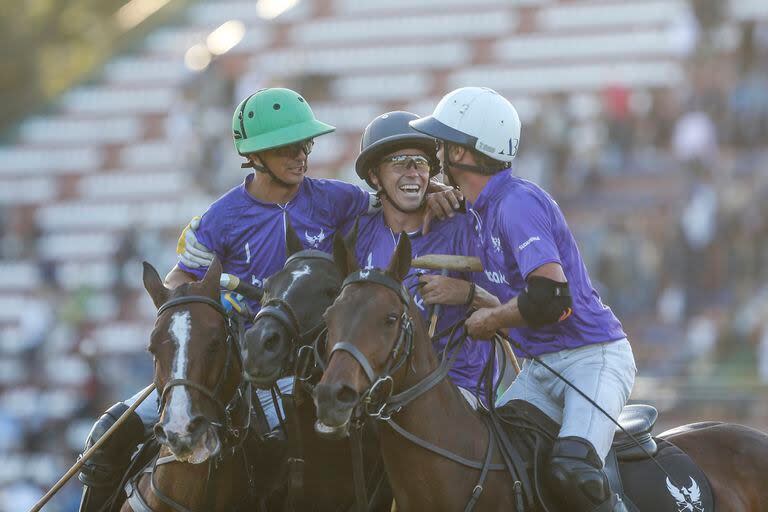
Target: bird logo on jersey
315 240
496 243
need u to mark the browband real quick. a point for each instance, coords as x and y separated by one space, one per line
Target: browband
378 277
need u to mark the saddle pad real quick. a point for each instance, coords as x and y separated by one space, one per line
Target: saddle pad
650 490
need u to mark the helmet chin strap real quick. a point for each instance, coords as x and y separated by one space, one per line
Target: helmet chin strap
446 168
266 170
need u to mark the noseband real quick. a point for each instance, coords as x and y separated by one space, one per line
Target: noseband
232 344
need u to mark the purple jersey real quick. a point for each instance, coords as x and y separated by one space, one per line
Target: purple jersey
248 236
375 246
520 228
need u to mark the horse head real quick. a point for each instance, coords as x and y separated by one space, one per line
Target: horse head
370 335
197 364
293 304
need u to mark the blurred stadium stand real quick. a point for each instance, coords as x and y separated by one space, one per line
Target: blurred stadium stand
647 120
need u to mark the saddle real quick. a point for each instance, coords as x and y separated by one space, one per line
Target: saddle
631 467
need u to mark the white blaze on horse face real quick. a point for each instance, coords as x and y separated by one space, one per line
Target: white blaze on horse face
295 276
179 407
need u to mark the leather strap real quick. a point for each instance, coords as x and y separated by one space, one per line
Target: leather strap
352 350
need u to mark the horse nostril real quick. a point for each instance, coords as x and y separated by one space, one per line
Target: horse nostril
195 424
271 342
346 395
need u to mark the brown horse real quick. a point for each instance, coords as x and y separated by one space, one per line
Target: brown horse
203 427
375 334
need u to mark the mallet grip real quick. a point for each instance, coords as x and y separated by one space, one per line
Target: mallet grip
448 262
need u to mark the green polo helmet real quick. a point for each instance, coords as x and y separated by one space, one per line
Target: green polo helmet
274 117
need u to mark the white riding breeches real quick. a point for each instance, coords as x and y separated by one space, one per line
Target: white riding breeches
605 372
268 404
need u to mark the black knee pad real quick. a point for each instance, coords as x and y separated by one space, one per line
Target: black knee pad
107 464
575 473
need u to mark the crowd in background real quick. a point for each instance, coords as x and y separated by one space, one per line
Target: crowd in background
666 191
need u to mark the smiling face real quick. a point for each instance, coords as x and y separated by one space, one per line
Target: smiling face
404 180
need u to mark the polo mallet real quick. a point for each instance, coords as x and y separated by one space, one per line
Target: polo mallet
89 452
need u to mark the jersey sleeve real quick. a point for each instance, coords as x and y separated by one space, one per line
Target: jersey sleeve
527 230
212 234
347 202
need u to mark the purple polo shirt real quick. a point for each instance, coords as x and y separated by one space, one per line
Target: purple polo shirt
520 228
248 235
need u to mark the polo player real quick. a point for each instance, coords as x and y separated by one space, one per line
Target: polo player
549 303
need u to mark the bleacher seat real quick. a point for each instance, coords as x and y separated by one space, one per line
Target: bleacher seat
132 184
404 6
110 100
97 275
80 132
27 190
174 40
383 87
146 70
18 275
218 12
748 9
347 117
69 246
615 14
155 154
11 308
458 26
121 337
624 45
571 77
26 160
342 60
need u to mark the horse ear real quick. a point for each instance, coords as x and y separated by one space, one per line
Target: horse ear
344 255
211 280
292 241
154 285
400 263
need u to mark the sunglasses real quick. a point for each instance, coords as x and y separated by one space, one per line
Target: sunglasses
293 150
402 163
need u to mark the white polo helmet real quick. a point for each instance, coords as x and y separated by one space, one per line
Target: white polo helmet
475 117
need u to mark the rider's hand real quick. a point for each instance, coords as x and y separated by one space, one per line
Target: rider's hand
481 325
442 202
192 253
443 290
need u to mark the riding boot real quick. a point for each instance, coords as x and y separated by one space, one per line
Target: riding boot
105 468
576 475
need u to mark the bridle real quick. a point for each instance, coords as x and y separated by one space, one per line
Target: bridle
283 312
375 400
233 352
234 329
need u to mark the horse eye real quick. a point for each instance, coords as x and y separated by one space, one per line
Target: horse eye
391 318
